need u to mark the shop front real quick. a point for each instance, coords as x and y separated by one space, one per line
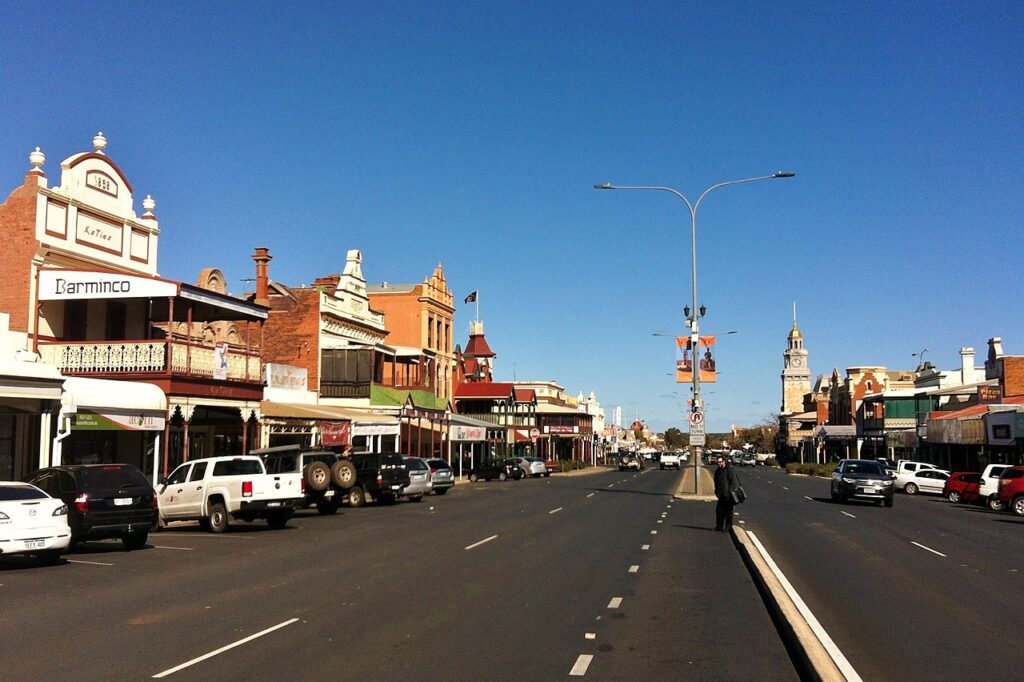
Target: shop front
29 395
103 421
470 442
305 425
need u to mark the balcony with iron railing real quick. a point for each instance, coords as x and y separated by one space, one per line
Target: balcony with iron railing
171 358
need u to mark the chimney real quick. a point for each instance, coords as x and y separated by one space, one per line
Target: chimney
262 258
993 366
966 365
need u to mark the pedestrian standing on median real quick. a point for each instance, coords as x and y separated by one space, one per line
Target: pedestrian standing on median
726 482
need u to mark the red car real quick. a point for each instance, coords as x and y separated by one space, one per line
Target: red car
962 486
551 465
1011 490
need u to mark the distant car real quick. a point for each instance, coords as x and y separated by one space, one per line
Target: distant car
861 479
380 475
669 459
749 459
103 500
1011 490
441 475
420 483
531 466
962 486
988 486
551 466
32 522
629 461
502 469
923 481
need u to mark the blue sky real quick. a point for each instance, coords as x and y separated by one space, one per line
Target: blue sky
472 134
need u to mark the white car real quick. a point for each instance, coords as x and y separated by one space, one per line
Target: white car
532 466
669 459
922 481
32 522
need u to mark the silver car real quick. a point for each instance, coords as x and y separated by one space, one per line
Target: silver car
419 479
532 466
441 475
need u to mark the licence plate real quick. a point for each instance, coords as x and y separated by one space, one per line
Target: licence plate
273 504
35 544
122 501
396 487
870 489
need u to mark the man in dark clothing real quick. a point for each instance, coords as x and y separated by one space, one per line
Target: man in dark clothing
725 483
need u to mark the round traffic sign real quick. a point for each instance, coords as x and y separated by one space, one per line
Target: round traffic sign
697 417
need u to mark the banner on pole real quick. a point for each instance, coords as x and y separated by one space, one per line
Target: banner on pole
686 355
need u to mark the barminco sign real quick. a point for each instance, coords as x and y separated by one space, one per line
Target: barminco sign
58 285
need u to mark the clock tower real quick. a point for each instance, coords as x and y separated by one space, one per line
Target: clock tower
796 375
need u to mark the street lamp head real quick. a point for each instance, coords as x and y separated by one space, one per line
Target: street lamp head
783 174
686 311
606 185
703 310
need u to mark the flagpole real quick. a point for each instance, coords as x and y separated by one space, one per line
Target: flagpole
477 301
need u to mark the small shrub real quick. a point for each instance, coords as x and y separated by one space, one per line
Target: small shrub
811 469
771 462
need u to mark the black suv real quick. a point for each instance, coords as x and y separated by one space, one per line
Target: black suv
863 479
500 469
104 501
380 475
326 476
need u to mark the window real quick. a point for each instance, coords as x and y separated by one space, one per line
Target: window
117 320
237 467
179 475
75 320
198 472
20 492
447 338
430 332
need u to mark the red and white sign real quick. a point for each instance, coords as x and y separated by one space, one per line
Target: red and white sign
335 433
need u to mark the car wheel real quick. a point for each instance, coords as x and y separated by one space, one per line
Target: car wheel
843 497
994 503
888 502
326 507
954 496
217 518
474 478
502 476
135 540
317 476
356 496
910 488
343 473
835 496
279 519
1018 505
49 557
440 491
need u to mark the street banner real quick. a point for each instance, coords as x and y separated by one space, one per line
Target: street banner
335 433
220 361
685 357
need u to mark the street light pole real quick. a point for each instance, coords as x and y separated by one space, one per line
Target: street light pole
697 314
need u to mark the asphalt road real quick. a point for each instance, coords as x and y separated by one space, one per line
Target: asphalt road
601 576
924 590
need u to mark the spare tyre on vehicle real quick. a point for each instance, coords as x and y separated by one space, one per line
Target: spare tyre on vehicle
317 476
343 473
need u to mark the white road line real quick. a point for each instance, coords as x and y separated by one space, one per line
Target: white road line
591 495
645 547
184 549
221 650
660 521
582 663
91 563
785 488
555 511
928 548
590 635
615 603
837 656
808 498
634 568
477 544
214 536
848 514
654 532
611 485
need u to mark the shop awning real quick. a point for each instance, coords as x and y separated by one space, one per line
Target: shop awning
105 405
36 380
270 408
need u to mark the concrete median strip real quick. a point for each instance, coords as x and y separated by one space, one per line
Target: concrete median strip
817 654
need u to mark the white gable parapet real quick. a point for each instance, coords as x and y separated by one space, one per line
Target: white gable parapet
90 216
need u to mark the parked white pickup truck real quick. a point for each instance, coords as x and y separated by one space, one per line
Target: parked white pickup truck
988 487
215 490
905 473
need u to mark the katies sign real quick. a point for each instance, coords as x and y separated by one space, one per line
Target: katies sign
62 285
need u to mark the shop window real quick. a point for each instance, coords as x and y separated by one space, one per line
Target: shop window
117 320
7 447
76 318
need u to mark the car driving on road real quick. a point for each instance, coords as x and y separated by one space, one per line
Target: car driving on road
863 479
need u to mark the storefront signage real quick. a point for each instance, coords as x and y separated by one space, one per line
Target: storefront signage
62 285
989 394
476 433
335 433
561 429
375 429
96 421
287 377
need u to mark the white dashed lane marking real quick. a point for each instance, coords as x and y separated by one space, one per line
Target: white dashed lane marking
591 495
477 544
929 549
615 603
808 499
221 650
91 563
555 511
645 547
581 665
848 514
654 532
634 568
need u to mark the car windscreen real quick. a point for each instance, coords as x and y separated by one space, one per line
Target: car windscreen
20 492
864 467
237 467
391 462
438 464
112 477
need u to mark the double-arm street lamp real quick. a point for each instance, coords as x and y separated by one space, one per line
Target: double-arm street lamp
697 312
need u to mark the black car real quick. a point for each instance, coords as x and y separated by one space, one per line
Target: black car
500 469
104 501
381 476
864 479
326 476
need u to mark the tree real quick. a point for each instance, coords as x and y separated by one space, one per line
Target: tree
676 439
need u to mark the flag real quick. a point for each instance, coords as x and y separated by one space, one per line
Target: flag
472 297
